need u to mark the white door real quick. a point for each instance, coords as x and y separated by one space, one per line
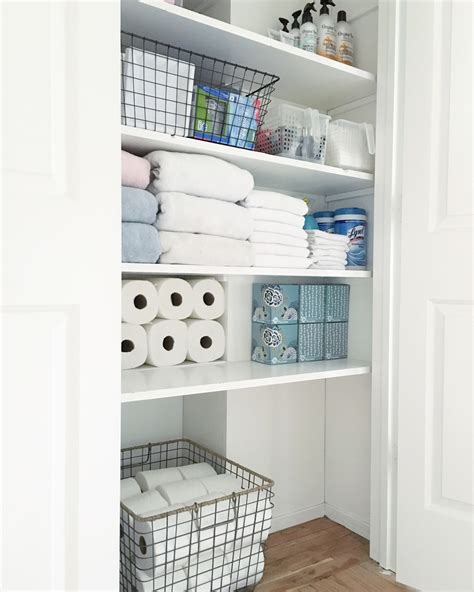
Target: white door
435 426
60 240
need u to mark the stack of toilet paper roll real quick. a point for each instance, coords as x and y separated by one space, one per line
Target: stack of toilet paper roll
169 320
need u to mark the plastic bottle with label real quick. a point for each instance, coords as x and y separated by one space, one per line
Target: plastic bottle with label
326 32
344 40
309 35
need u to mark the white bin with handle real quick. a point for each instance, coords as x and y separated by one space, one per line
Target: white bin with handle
351 145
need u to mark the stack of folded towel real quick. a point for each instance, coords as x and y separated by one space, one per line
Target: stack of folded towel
278 236
328 251
199 221
140 240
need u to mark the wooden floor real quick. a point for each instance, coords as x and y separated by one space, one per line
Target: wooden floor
322 556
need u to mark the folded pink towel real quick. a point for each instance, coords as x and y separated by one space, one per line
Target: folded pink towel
135 171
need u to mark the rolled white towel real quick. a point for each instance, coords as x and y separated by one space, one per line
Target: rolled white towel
226 483
149 480
278 228
275 201
282 261
182 492
197 174
279 239
275 249
276 216
148 501
186 213
129 488
197 471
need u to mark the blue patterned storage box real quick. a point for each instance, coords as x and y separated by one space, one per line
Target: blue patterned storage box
335 340
275 303
310 342
337 303
312 303
274 344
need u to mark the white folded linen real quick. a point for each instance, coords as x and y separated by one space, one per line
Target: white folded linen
275 249
329 260
322 265
329 237
327 249
282 261
278 239
278 228
328 256
276 216
197 174
275 201
187 213
204 249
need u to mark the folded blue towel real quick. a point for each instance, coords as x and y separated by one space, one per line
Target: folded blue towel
140 243
138 205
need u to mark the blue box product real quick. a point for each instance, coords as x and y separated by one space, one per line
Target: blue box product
275 303
312 303
335 340
337 303
274 344
241 121
310 342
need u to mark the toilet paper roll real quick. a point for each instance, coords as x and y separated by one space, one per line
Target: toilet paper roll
217 523
225 483
175 298
197 471
167 342
149 480
248 564
182 492
139 302
209 571
129 488
208 299
134 346
206 340
255 518
171 582
146 502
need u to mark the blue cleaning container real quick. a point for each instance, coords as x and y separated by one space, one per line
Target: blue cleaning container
310 223
325 221
353 223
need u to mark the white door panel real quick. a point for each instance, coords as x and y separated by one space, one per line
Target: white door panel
60 242
435 496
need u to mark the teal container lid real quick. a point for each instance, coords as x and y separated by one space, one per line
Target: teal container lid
324 214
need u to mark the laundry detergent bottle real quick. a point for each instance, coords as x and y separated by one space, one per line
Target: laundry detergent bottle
326 32
308 29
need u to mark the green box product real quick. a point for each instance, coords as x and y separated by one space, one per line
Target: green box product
310 342
312 303
335 340
337 303
210 108
275 303
274 344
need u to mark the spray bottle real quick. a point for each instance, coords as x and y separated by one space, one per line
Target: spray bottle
308 29
326 32
344 40
295 28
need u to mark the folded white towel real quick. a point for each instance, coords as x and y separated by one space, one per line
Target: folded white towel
321 265
282 261
278 239
329 254
276 216
327 249
275 201
275 249
323 260
328 237
278 228
204 249
186 213
197 174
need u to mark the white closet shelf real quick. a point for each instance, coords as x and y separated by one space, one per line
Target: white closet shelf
150 269
148 383
273 172
305 78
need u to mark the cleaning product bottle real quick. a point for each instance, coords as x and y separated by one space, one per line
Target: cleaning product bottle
344 40
284 22
326 32
295 28
308 29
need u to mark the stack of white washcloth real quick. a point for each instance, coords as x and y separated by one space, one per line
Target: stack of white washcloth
327 250
278 236
167 552
199 221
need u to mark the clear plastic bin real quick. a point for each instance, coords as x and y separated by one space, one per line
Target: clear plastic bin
351 145
295 133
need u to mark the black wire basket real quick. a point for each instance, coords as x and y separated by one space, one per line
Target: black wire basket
179 92
216 544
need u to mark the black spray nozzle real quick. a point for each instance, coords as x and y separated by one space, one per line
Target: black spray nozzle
324 6
307 16
284 22
295 24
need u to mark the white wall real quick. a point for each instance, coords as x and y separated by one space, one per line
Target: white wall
152 421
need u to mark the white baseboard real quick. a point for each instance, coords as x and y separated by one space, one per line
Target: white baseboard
350 521
298 517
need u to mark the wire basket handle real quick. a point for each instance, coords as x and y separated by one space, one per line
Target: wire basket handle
197 519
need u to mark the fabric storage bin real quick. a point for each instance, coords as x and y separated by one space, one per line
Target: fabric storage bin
157 92
274 344
275 303
351 145
211 544
312 303
335 340
295 133
337 303
310 342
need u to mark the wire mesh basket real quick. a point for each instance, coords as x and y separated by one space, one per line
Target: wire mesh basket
184 93
216 544
294 132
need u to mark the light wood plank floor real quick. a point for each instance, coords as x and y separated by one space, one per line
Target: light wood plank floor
322 556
